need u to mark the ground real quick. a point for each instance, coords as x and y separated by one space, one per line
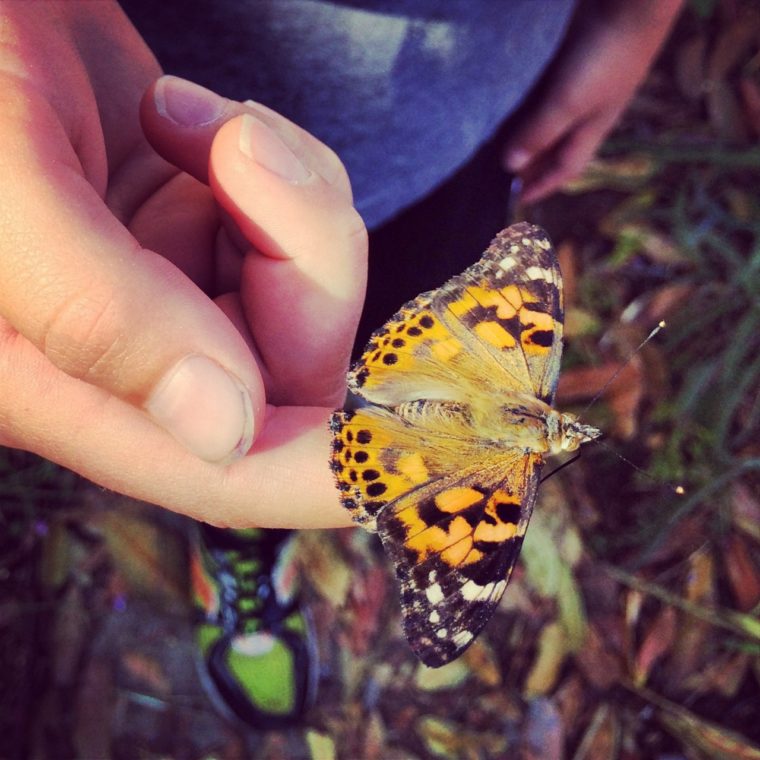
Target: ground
631 627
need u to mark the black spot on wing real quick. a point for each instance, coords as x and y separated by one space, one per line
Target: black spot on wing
509 512
543 338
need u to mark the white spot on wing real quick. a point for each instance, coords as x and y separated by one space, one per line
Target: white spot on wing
442 633
434 617
539 273
474 592
462 638
434 593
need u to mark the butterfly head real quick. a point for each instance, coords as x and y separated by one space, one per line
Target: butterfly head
565 433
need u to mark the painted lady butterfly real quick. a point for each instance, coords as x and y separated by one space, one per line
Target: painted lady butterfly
443 455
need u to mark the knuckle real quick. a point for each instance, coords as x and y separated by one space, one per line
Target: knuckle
84 336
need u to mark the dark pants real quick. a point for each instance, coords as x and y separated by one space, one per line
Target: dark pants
436 238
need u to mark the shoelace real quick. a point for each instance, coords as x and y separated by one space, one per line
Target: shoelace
248 601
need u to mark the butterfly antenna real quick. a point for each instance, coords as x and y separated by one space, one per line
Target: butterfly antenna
617 372
679 490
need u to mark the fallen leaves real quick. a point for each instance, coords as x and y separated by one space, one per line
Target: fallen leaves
702 735
609 643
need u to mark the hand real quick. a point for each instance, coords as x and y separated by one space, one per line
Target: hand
114 361
606 55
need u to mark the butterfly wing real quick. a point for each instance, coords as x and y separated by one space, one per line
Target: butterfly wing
454 544
453 533
494 328
378 457
451 504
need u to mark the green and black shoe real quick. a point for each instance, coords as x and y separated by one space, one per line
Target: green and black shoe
257 646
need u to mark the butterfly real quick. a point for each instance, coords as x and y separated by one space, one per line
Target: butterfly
443 453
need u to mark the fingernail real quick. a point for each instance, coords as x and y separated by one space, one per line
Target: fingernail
516 160
185 103
263 145
205 408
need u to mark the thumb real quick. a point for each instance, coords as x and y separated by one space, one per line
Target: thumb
76 285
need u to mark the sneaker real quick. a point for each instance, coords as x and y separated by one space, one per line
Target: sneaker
257 648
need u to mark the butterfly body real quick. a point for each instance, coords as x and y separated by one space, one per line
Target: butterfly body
444 456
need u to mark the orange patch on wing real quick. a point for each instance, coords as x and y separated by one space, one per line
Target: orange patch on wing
457 499
412 466
494 334
460 553
539 319
445 350
495 533
455 541
507 300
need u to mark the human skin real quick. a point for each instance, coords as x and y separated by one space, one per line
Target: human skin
607 52
179 291
157 318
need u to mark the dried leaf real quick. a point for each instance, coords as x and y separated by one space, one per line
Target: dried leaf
328 573
685 541
552 651
600 665
365 603
745 510
567 256
444 738
703 735
321 746
446 677
742 571
56 563
147 672
700 581
724 674
602 737
149 558
569 699
657 641
374 738
482 661
712 739
665 301
71 636
737 623
582 383
441 737
625 173
623 395
552 547
634 601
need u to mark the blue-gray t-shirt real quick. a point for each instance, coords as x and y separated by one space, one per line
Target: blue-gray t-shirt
404 90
